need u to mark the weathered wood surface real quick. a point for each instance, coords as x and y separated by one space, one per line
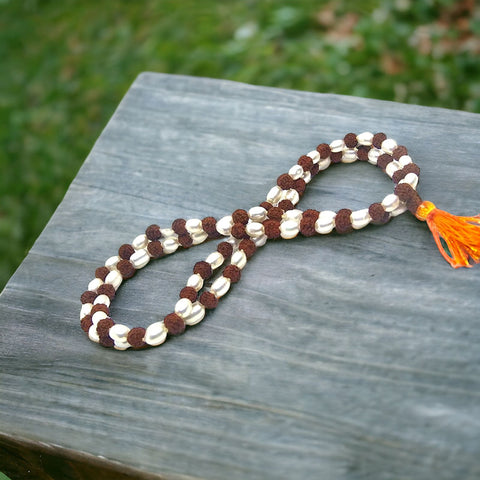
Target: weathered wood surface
340 357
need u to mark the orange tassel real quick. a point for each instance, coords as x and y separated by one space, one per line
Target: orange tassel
460 234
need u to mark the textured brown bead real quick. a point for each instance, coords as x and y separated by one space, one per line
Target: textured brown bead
174 324
362 153
305 162
126 269
86 323
188 292
225 248
209 225
311 213
315 169
203 268
300 186
383 160
336 157
350 140
126 251
307 226
414 202
240 216
399 152
153 232
239 231
378 214
266 205
178 226
100 307
104 325
108 290
272 228
404 191
378 138
135 337
324 150
343 223
275 213
248 246
106 341
88 296
208 300
401 174
101 273
185 240
155 249
285 181
286 205
232 272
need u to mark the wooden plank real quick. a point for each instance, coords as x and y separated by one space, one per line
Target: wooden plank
346 357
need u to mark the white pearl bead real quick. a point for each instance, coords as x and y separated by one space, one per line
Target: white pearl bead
92 334
324 164
194 225
391 168
85 310
119 332
224 225
170 245
349 156
314 155
255 229
111 263
257 214
289 229
114 278
97 316
199 237
220 286
405 160
365 138
118 345
195 281
307 176
296 172
94 284
260 241
102 299
155 334
337 145
215 259
274 194
373 155
399 210
389 145
325 222
196 315
390 202
291 195
360 218
168 232
183 307
411 179
140 258
239 259
140 242
293 214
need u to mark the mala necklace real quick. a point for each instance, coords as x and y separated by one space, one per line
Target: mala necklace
277 217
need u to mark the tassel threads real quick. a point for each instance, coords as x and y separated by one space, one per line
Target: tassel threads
460 234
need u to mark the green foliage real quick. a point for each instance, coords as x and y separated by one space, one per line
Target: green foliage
66 65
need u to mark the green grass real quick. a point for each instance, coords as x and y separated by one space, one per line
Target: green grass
66 65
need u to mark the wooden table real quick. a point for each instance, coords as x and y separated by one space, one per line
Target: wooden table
335 357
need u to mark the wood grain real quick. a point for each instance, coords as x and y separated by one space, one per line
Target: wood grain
339 357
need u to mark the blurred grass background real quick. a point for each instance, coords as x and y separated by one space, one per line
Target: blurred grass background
66 65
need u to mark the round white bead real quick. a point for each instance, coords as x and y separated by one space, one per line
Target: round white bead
220 286
140 258
194 225
195 281
360 218
183 307
102 299
215 259
373 155
224 225
391 168
399 210
170 245
94 284
118 345
114 278
199 237
389 145
289 229
140 242
168 232
337 145
365 138
239 259
405 160
92 334
296 172
155 334
314 155
111 263
349 156
307 176
325 222
260 241
97 316
291 195
255 229
390 202
324 164
85 310
196 315
257 214
293 214
119 332
411 179
274 194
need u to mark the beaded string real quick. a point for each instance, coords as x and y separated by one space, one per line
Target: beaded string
245 231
